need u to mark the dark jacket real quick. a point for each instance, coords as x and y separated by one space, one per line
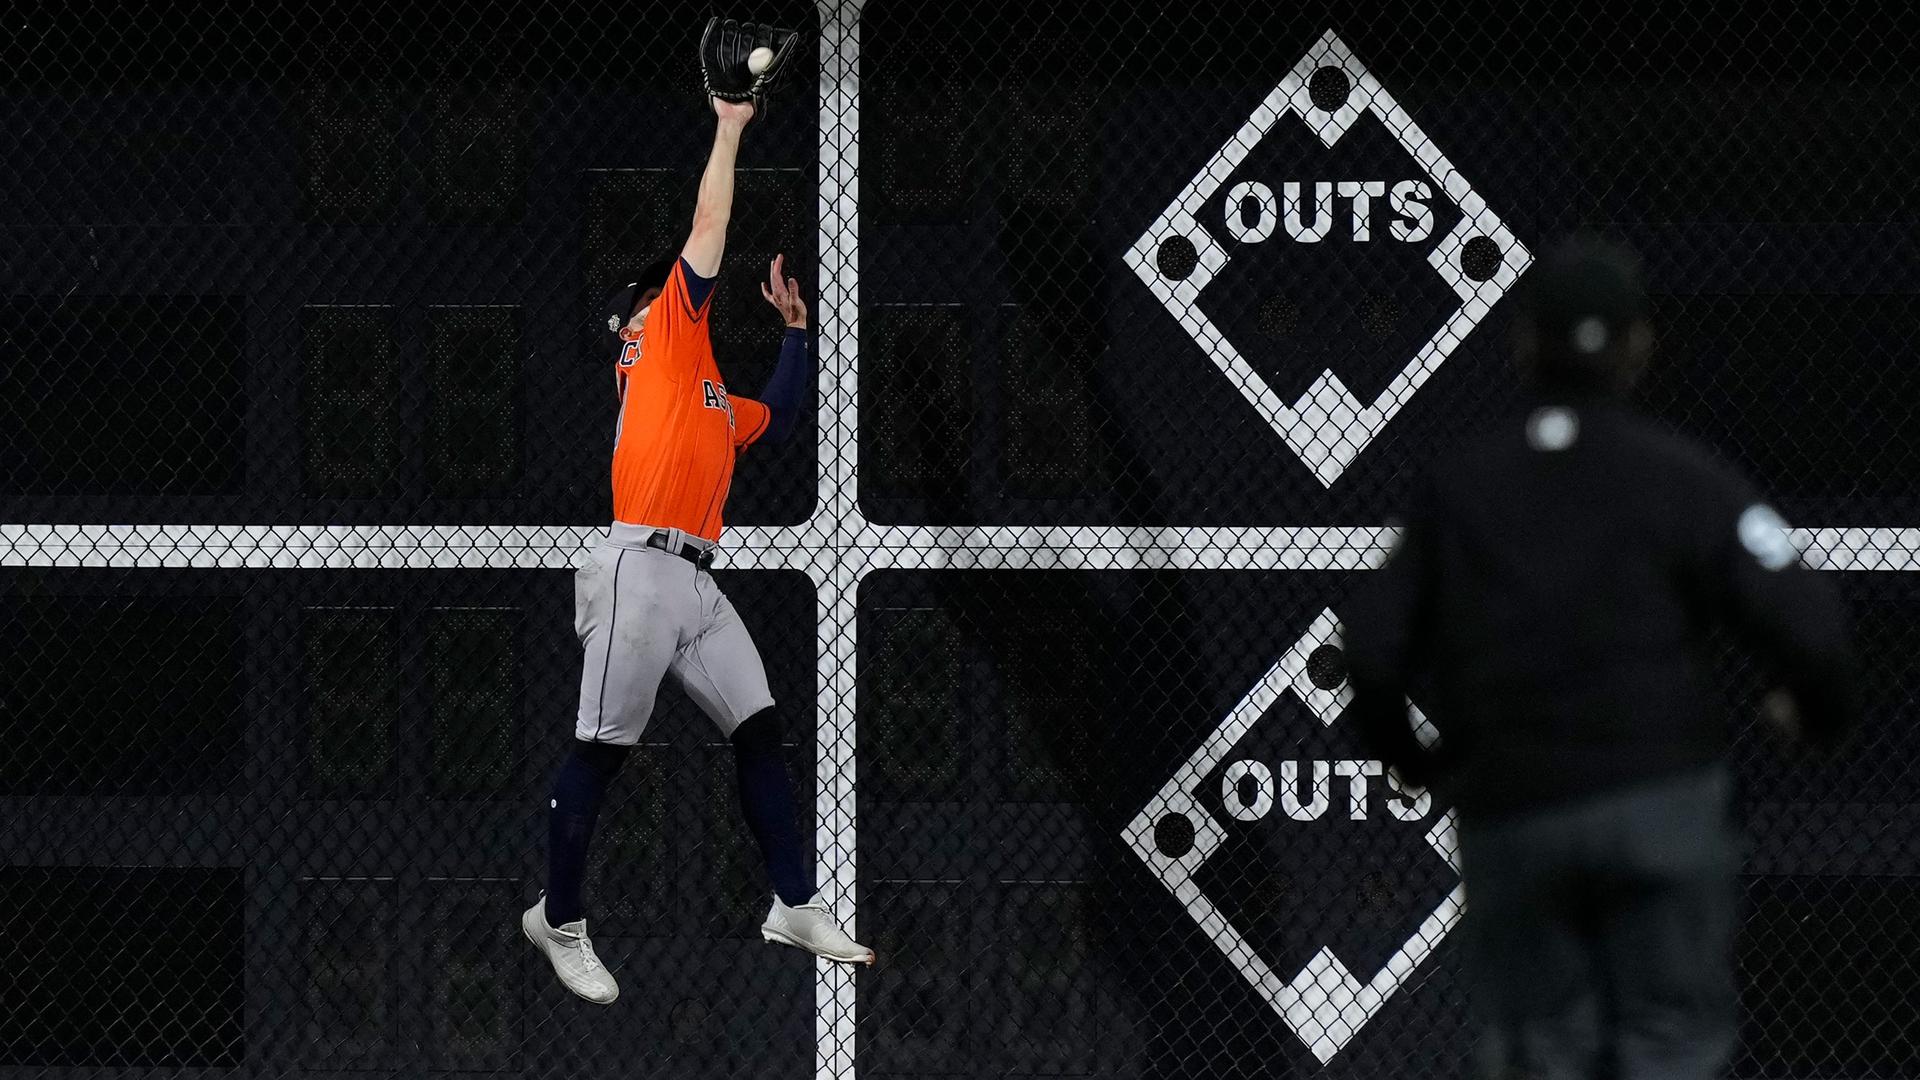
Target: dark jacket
1552 591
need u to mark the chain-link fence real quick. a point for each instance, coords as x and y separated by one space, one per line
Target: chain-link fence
1132 326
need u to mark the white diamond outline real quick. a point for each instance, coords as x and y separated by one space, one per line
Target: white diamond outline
1328 427
1324 1004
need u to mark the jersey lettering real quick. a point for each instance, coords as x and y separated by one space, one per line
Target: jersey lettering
630 355
715 396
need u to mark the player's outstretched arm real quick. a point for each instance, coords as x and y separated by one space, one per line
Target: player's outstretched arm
708 240
786 389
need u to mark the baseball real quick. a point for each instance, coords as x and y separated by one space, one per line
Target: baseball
759 59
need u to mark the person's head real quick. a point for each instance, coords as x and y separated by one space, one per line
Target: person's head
1582 322
627 308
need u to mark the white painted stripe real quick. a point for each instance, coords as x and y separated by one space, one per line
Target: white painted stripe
814 547
1859 548
360 547
835 815
1093 547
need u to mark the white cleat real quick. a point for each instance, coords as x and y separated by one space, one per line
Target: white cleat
570 952
811 927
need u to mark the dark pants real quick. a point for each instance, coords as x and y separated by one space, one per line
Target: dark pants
1599 934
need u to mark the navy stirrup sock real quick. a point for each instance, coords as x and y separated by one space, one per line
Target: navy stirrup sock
578 790
767 802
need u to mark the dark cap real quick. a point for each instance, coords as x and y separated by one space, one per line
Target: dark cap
625 300
1579 301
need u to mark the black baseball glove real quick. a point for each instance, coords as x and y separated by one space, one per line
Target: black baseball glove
725 48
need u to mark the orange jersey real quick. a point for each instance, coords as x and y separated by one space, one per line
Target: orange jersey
679 428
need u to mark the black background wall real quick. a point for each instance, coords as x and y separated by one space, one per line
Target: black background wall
310 300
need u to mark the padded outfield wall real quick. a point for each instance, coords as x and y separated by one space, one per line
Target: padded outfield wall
1133 327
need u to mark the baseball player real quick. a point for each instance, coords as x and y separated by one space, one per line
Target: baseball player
645 605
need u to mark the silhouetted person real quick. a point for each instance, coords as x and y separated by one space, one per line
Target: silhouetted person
1551 594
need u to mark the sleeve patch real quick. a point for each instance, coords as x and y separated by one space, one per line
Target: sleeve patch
1764 534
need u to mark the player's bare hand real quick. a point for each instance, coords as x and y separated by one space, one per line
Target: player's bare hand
783 293
734 112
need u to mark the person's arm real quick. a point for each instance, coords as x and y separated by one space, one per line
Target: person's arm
787 386
1790 616
1384 629
708 240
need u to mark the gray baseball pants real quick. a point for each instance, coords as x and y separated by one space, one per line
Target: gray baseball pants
640 613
